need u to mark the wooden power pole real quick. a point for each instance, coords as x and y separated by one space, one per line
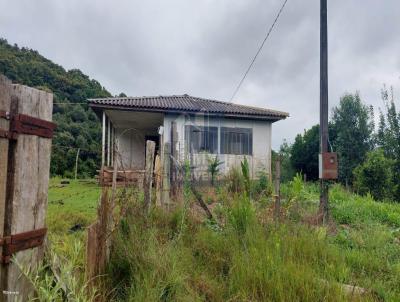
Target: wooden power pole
323 108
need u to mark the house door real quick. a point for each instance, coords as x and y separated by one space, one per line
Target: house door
154 138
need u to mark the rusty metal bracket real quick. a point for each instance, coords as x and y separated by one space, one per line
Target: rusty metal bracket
4 114
4 133
8 134
25 124
20 242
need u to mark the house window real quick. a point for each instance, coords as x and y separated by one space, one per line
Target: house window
236 141
202 139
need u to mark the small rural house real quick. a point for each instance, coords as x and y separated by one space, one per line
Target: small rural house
188 128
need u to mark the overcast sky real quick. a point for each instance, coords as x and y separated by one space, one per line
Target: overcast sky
203 47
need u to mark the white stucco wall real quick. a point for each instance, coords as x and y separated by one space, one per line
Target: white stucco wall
259 161
131 147
131 144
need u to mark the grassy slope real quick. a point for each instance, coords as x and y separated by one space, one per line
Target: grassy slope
163 259
71 205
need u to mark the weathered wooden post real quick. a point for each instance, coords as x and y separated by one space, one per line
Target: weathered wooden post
158 179
174 155
98 243
277 207
5 100
148 177
165 195
27 145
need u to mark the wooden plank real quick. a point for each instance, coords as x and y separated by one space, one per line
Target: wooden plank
91 247
124 177
110 223
158 179
277 207
174 154
27 205
108 141
103 139
165 195
97 246
148 178
5 100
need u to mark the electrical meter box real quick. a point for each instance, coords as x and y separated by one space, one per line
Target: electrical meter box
328 165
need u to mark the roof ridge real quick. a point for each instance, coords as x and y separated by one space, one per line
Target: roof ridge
235 104
209 100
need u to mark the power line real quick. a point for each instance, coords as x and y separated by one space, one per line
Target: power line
259 50
76 148
58 103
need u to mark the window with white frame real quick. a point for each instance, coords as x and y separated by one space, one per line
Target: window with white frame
237 141
202 139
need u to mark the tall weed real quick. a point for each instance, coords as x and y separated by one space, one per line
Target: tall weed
59 278
242 260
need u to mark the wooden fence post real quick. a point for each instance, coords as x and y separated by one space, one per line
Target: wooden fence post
26 183
5 100
277 207
148 177
158 178
165 195
98 243
174 154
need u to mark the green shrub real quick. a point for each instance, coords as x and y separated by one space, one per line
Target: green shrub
213 167
262 185
241 215
235 181
246 176
375 176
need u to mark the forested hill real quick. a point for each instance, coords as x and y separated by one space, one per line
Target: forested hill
77 125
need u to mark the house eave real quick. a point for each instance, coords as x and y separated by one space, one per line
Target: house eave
99 108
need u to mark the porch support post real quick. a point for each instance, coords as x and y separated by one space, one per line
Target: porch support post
112 144
108 141
103 140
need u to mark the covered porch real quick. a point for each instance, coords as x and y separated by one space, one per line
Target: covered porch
124 136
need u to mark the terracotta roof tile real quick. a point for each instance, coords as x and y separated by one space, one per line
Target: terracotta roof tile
186 103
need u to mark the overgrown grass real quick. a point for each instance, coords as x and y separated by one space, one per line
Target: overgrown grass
71 208
242 260
244 255
367 235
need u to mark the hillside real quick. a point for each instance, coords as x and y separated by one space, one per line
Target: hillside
77 125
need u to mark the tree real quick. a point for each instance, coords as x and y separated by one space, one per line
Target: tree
375 176
353 125
287 170
305 153
77 125
388 135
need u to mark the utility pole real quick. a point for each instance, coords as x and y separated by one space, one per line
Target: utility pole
323 207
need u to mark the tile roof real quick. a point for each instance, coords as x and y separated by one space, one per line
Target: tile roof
186 104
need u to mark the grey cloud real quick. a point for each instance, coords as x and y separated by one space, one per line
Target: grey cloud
203 48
